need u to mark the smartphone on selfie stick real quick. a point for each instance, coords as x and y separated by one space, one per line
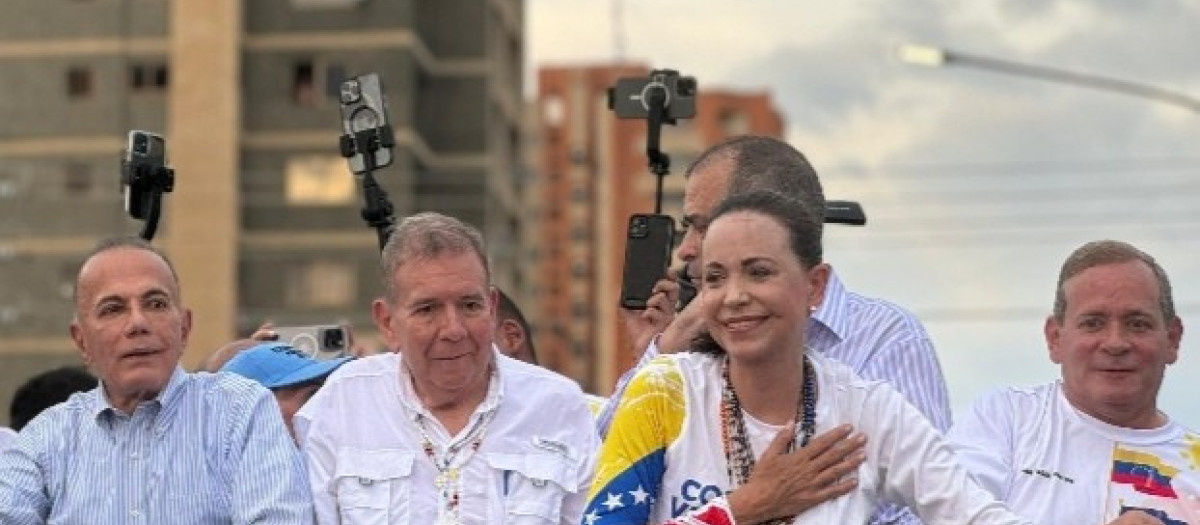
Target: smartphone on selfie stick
367 143
662 97
145 177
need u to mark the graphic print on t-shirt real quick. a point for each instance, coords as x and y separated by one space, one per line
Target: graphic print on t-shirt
1146 481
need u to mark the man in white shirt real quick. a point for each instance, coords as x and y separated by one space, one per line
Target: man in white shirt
447 429
7 436
1093 445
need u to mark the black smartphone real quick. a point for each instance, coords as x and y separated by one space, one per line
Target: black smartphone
647 256
687 288
364 108
145 154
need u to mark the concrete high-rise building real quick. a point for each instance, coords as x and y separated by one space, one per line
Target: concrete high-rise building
264 221
594 175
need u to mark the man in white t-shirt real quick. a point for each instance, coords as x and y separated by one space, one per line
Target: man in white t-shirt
1093 445
446 429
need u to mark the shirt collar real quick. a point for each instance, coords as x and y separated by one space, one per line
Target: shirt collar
101 406
495 391
832 314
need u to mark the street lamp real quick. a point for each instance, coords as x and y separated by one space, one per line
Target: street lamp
935 57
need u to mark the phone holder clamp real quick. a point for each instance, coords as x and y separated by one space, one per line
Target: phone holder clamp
367 142
377 209
154 181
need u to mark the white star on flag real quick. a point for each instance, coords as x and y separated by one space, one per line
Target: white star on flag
613 501
591 517
639 495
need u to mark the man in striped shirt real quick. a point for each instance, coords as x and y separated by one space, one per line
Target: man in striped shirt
152 443
875 338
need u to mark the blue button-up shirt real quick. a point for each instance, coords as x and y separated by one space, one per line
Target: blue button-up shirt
210 449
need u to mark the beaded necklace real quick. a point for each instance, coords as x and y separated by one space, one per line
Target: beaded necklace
739 458
449 465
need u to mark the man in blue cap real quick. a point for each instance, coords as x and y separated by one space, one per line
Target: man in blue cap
287 373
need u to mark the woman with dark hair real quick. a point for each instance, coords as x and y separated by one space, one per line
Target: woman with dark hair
700 437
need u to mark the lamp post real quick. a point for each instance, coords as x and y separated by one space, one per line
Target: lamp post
935 57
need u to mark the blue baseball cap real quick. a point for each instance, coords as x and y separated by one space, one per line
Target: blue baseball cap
278 365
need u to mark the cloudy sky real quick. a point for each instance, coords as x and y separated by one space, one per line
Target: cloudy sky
976 184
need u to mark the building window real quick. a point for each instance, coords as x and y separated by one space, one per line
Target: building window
79 82
303 84
309 75
734 122
322 284
554 111
579 310
318 180
66 279
579 233
78 179
579 270
148 77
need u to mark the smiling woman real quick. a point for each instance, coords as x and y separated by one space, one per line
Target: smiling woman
704 437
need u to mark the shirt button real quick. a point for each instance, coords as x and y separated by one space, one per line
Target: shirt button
135 513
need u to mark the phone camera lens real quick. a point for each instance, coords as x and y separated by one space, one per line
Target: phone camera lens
685 86
141 144
335 339
351 92
639 228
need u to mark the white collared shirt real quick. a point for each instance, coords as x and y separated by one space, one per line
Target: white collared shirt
7 436
367 463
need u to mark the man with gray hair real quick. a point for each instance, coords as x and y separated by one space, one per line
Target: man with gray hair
1093 445
446 429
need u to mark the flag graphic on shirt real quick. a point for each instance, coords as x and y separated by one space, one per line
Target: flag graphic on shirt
633 459
1143 472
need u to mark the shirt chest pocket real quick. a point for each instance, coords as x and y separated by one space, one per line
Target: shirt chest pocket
534 485
374 486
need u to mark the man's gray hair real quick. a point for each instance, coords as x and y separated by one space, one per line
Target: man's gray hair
1101 253
425 236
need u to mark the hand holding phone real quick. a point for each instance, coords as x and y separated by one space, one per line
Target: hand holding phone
647 256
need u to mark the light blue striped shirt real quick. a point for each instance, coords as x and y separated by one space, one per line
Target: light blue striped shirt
876 339
211 449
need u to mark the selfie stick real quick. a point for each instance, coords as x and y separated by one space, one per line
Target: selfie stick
157 181
377 208
660 163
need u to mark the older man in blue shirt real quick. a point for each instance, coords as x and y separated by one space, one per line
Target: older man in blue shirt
152 443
